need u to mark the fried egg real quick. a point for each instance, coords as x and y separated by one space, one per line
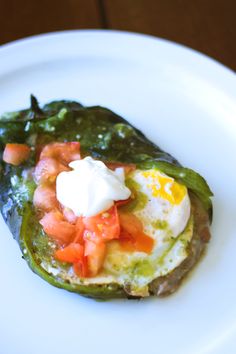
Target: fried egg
167 203
163 206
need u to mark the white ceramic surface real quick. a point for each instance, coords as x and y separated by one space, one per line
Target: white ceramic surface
186 103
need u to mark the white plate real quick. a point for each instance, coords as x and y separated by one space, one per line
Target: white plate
186 103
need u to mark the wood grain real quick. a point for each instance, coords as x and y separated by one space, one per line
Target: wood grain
205 25
24 18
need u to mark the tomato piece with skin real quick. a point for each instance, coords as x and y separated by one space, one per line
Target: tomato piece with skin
132 237
104 226
139 243
72 253
15 154
47 170
63 152
81 268
95 254
130 223
57 228
79 230
45 197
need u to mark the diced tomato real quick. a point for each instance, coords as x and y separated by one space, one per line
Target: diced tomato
15 154
132 237
81 268
144 243
47 169
104 226
72 253
130 223
128 167
69 215
64 152
79 230
45 197
56 227
91 236
95 253
140 243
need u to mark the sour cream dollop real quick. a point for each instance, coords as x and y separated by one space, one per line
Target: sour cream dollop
91 187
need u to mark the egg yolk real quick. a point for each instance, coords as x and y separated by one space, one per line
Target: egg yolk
165 187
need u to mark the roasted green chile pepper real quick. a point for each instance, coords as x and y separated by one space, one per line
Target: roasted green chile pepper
103 135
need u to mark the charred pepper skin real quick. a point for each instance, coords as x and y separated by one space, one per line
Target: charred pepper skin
103 135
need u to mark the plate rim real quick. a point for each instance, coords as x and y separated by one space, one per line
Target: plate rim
227 72
109 32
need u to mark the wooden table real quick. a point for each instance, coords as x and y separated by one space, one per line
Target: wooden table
205 25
